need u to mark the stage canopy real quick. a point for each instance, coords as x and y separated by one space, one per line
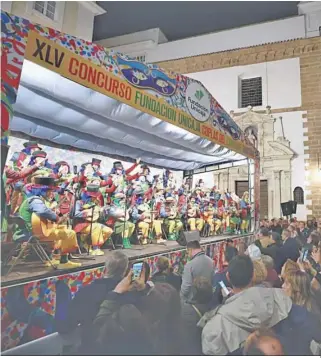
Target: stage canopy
79 94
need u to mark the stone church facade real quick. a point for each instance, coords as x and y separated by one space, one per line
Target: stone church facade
277 152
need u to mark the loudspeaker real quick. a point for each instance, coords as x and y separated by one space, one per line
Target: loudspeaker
293 206
289 208
187 236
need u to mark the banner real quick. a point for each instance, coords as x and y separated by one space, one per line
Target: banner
59 59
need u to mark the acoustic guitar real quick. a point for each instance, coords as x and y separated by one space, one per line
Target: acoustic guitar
43 227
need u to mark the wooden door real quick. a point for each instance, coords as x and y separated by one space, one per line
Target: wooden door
243 185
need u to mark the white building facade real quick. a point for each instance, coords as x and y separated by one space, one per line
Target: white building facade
72 17
282 134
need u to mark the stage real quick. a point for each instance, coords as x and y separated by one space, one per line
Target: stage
34 270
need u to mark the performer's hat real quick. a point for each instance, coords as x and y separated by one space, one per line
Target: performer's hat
95 161
62 162
31 144
92 188
170 199
118 165
39 154
46 181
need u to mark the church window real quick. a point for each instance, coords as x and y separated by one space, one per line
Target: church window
251 92
298 195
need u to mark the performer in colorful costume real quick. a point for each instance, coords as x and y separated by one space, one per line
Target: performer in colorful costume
194 220
37 207
245 207
208 215
88 211
121 177
119 219
235 220
64 179
172 218
95 163
147 223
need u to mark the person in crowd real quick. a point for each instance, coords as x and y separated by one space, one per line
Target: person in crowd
297 285
85 305
273 249
250 308
272 277
157 316
119 328
192 311
260 274
290 249
199 265
244 312
263 342
165 273
276 226
230 252
293 231
264 238
303 233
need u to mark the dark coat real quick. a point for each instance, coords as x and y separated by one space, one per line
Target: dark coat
298 330
274 251
84 307
290 250
192 335
171 278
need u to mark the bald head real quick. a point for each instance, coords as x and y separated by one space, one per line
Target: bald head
263 342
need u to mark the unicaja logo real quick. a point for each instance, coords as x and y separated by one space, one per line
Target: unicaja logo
198 101
199 94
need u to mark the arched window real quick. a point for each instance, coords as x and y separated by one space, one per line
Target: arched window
298 195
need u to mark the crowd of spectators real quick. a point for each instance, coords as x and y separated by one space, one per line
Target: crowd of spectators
266 300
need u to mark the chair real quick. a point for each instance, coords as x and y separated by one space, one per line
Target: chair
27 241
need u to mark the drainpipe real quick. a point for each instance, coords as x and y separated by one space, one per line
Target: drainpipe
280 181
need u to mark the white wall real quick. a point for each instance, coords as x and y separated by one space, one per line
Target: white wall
72 17
280 30
85 23
280 83
293 130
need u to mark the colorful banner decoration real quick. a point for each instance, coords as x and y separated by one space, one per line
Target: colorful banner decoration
169 96
28 310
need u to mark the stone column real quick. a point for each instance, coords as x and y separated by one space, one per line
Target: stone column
225 180
216 179
286 186
277 198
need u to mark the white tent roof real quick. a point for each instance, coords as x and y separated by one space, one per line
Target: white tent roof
56 109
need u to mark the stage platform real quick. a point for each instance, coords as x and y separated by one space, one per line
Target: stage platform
34 270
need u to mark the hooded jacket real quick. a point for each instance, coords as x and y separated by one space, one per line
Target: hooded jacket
228 326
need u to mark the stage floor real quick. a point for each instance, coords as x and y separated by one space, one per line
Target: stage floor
35 270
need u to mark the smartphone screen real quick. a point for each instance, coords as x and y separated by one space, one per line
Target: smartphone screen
137 268
305 255
225 290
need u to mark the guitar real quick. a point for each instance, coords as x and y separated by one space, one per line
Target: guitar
43 227
173 213
192 212
92 215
